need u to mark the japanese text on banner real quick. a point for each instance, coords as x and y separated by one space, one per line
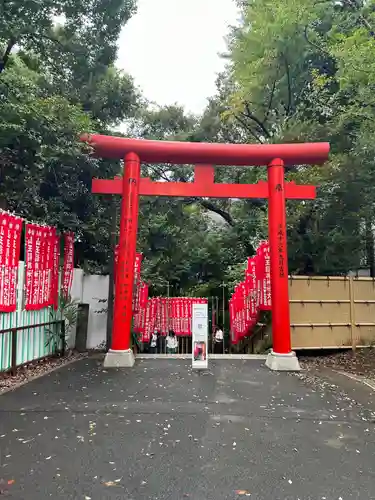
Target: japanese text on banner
68 269
10 242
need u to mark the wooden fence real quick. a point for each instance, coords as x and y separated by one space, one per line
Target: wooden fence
332 312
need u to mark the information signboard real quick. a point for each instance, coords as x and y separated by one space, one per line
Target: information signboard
200 336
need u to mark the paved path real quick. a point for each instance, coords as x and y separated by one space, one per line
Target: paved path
161 432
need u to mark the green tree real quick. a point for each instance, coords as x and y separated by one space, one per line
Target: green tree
57 81
72 37
303 72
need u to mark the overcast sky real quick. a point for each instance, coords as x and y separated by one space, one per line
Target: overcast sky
172 47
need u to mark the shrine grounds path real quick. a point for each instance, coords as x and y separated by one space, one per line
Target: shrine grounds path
160 431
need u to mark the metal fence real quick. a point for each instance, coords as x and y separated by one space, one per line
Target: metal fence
27 336
184 345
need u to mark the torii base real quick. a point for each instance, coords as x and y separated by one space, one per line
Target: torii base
283 362
119 359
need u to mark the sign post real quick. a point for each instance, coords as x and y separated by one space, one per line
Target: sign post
200 336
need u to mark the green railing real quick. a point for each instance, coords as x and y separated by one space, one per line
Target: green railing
27 336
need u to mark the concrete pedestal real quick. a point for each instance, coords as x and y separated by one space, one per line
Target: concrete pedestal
119 359
283 362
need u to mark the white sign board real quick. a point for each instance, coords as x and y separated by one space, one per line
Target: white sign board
200 336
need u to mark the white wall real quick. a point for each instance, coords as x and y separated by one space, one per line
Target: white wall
77 285
76 294
91 289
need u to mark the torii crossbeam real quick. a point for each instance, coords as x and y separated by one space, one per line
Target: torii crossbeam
203 186
204 155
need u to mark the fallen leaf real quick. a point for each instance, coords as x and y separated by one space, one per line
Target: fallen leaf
110 483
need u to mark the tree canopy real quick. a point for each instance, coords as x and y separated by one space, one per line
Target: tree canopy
295 71
57 80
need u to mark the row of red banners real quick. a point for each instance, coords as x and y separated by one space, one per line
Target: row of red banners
252 295
164 314
158 313
42 257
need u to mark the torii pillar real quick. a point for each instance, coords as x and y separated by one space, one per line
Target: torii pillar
131 186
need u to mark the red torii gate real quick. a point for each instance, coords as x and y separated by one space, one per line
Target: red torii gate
204 155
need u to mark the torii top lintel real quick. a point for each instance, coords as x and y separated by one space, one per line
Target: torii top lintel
208 153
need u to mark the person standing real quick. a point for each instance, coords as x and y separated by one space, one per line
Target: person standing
161 343
172 343
218 341
153 346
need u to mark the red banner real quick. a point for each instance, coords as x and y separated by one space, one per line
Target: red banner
43 267
48 267
252 291
32 266
146 334
137 267
251 296
137 282
233 329
67 277
10 242
143 309
54 293
139 323
265 275
40 278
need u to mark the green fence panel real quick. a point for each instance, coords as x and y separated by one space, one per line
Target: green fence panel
32 343
6 321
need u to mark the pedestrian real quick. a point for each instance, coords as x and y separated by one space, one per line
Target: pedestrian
153 346
172 343
218 341
161 343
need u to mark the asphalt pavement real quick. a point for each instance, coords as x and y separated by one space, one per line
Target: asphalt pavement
161 431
